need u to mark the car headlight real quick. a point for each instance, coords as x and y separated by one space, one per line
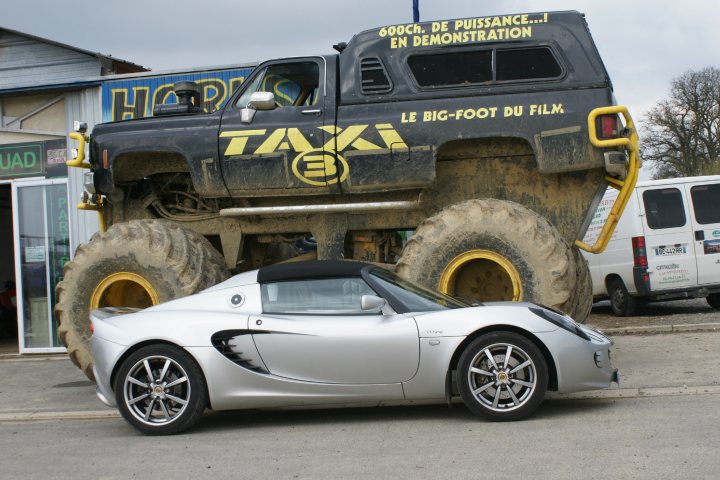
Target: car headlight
560 320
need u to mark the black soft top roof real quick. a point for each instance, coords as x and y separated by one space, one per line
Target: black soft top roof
312 269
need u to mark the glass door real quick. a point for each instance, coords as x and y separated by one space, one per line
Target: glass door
42 247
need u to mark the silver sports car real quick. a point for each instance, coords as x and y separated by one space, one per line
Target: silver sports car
336 334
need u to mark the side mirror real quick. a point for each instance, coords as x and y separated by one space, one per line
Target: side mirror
372 303
262 101
258 101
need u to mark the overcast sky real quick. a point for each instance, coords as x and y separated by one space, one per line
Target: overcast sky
644 43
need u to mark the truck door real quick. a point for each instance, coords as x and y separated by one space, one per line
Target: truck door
705 199
668 238
281 149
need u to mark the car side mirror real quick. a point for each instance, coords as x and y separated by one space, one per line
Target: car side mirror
258 101
372 303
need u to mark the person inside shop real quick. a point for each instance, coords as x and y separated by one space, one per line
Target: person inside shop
8 311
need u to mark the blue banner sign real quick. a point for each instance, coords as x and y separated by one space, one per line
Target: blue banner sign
135 97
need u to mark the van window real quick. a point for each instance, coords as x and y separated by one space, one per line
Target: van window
664 208
706 199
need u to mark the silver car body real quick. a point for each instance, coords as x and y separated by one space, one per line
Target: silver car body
270 360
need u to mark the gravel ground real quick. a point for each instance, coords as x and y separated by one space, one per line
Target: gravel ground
677 312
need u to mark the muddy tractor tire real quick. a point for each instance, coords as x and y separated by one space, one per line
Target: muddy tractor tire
134 264
580 303
489 250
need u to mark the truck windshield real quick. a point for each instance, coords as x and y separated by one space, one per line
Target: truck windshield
415 297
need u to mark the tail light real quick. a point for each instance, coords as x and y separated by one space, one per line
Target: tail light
92 328
639 252
607 126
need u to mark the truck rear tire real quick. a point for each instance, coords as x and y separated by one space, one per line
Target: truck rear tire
489 250
134 264
580 304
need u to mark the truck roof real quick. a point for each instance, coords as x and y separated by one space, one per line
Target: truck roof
678 180
390 48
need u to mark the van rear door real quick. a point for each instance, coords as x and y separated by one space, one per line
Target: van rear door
705 206
668 237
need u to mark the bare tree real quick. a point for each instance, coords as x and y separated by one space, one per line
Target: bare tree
682 132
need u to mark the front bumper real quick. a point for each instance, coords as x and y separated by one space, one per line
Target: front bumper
581 364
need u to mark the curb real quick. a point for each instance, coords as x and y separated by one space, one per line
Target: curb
654 329
45 416
640 392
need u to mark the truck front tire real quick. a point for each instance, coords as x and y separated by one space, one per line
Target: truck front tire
134 264
488 250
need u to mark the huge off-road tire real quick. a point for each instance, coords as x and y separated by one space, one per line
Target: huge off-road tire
580 303
487 250
134 264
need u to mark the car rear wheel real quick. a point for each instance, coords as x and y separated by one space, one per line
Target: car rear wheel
714 300
160 390
502 376
621 302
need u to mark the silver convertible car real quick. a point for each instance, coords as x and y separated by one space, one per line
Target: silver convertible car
336 333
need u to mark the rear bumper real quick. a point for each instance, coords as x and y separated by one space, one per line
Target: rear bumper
105 354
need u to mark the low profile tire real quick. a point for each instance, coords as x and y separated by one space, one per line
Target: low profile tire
491 250
160 390
502 376
714 300
135 264
621 302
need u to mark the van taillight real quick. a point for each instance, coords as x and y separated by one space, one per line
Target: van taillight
607 126
92 328
639 252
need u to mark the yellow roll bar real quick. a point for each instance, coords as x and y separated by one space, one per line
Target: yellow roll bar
79 161
630 143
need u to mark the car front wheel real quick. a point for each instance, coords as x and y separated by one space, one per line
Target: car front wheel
160 390
502 376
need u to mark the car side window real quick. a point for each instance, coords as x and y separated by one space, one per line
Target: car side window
664 208
324 296
706 199
293 84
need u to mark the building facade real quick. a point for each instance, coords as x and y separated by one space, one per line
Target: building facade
45 87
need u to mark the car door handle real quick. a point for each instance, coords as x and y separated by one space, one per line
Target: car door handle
311 112
699 235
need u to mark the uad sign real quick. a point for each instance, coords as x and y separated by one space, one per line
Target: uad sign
45 158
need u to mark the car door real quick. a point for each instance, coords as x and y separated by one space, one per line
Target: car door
315 331
705 203
669 238
281 148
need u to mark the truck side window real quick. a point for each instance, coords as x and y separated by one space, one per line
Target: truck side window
706 199
664 208
476 67
452 69
293 84
526 64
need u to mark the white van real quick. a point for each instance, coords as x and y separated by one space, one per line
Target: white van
666 245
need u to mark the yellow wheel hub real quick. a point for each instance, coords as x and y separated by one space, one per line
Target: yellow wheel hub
124 289
481 275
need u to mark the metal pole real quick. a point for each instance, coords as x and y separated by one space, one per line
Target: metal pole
416 11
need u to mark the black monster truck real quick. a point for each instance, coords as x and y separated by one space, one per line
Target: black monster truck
492 139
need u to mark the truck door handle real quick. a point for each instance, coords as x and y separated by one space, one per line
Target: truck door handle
699 235
311 112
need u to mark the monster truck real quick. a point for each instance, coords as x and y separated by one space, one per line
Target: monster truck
487 141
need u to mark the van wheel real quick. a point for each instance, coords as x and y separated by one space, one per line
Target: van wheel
623 305
714 300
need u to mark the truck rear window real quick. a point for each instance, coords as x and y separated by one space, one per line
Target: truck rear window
706 199
452 69
664 208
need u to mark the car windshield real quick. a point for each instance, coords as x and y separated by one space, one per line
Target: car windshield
415 297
